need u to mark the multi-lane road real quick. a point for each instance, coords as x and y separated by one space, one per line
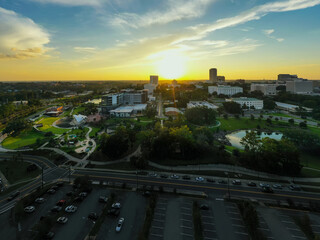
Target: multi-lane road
52 173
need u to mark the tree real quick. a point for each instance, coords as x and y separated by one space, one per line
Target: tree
291 121
232 107
201 115
151 111
302 125
269 104
251 141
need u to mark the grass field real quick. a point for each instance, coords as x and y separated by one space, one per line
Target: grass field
232 124
94 131
310 161
78 110
47 125
16 171
25 138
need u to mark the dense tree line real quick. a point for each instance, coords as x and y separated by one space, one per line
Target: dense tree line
201 116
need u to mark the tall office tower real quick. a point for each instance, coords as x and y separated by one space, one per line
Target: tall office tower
154 79
213 75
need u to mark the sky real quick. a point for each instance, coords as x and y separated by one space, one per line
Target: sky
175 39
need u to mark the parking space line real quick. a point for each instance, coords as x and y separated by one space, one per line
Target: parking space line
242 233
287 222
237 225
238 219
156 235
186 220
298 237
186 234
182 226
157 227
158 220
208 230
294 229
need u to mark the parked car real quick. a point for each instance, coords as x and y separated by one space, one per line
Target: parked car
62 220
49 235
116 205
210 180
13 196
146 193
40 200
29 209
83 194
186 177
71 209
236 182
93 216
153 174
56 209
251 184
51 191
103 199
61 202
204 207
199 179
114 212
119 225
264 185
220 181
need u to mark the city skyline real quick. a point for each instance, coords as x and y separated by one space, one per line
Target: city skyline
182 39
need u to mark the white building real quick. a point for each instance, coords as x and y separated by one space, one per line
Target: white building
79 120
249 102
266 89
300 86
150 87
193 104
225 90
128 111
290 107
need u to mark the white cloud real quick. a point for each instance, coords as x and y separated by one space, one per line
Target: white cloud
20 37
174 10
74 2
85 49
269 32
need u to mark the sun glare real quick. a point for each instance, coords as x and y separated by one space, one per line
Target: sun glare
172 65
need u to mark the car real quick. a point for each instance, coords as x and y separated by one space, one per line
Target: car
146 193
264 185
62 220
294 188
186 177
116 205
29 209
199 179
220 181
51 191
56 209
210 180
204 207
164 175
266 189
70 194
236 182
277 186
114 212
93 216
153 174
119 225
40 200
61 202
251 184
71 209
174 176
83 194
103 199
13 196
48 235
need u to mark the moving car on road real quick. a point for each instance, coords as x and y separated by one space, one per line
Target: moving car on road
120 224
199 179
116 205
13 196
62 220
39 200
29 209
236 182
71 209
251 184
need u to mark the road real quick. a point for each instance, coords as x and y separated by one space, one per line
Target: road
218 190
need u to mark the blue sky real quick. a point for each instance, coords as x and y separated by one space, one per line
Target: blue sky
131 39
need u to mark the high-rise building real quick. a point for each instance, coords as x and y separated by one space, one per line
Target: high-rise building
154 79
213 75
221 79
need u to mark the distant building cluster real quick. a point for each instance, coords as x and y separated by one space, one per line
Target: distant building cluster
225 90
193 104
214 78
247 102
266 89
151 86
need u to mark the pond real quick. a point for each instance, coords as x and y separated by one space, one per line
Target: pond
95 101
235 138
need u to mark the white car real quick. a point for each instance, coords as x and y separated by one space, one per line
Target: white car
71 209
40 200
116 205
119 225
62 220
199 179
174 176
29 209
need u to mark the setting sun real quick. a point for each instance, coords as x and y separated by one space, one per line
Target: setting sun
172 65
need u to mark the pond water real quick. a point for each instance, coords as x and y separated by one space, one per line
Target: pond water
95 101
235 138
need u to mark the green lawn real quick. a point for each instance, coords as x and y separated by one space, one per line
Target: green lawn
310 161
232 124
47 125
309 173
78 110
16 170
25 138
94 131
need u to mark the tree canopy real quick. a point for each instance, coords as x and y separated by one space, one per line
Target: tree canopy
201 116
